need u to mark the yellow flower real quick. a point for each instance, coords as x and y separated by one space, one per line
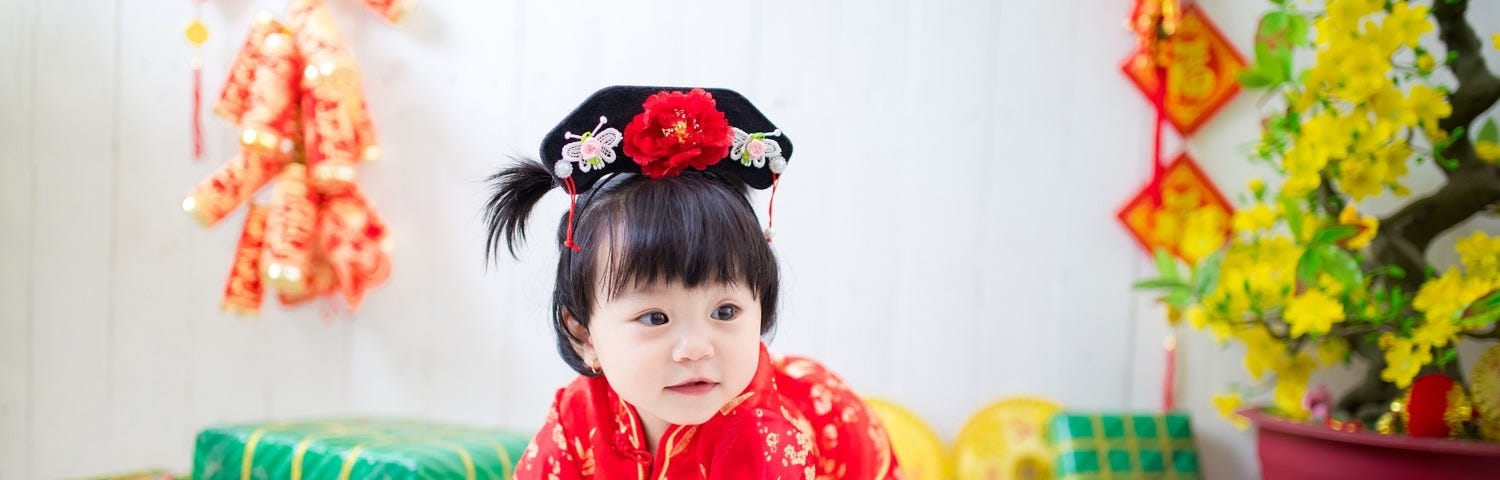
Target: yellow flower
1197 317
1313 312
1386 103
1487 151
1291 385
1255 219
1426 105
1363 67
1227 403
1362 177
1495 41
1480 255
1434 333
1262 351
1352 10
1425 63
1368 226
1442 298
1333 350
1395 155
1406 23
1257 186
1403 360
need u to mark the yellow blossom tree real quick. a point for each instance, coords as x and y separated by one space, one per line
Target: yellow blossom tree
1310 281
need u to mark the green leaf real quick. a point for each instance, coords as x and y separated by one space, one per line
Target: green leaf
1394 272
1308 267
1257 77
1159 284
1298 31
1166 265
1332 234
1480 319
1180 299
1206 276
1341 265
1448 355
1485 311
1293 211
1489 132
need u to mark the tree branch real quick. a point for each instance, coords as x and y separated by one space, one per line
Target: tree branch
1474 185
1478 89
1405 235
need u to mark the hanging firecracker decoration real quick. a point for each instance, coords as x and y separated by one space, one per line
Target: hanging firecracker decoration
294 93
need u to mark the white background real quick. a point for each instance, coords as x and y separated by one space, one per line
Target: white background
946 229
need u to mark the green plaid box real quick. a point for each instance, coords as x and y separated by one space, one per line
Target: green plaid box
1094 446
356 448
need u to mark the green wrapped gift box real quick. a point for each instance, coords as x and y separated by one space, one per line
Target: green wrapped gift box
1093 446
356 448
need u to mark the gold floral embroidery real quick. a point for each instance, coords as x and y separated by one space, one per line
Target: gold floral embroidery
849 415
585 458
736 402
798 368
822 400
830 438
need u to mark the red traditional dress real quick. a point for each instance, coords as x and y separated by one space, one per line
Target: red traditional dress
796 420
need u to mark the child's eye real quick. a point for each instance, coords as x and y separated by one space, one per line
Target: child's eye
725 312
655 319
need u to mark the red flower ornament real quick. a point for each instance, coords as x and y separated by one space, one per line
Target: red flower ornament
676 131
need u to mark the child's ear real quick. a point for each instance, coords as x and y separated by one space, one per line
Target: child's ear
581 340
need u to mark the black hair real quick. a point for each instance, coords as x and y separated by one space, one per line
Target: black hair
693 228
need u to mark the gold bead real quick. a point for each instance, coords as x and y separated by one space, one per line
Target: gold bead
196 33
189 204
292 274
273 271
248 136
372 153
268 140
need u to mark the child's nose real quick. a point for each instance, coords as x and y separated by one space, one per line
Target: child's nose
693 345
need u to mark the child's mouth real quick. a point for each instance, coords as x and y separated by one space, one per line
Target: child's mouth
694 387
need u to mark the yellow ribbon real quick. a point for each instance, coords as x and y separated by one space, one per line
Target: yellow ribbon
1101 447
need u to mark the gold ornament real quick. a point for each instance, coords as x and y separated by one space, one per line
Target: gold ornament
1007 439
196 33
920 450
1485 379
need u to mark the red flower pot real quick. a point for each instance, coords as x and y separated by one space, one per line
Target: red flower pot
1294 450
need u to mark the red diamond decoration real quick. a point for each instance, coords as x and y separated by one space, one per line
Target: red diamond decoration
1187 196
1202 70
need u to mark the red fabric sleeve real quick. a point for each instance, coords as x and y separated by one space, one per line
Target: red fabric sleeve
551 455
769 447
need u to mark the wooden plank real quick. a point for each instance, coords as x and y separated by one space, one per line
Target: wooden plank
226 378
74 121
16 225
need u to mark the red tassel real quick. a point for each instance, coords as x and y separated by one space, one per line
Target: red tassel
1169 384
1158 166
197 109
771 209
572 204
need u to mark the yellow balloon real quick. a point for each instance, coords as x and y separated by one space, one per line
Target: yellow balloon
1007 440
919 450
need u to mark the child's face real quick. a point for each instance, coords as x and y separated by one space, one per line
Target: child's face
677 354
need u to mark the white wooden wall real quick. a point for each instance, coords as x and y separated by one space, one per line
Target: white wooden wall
947 228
